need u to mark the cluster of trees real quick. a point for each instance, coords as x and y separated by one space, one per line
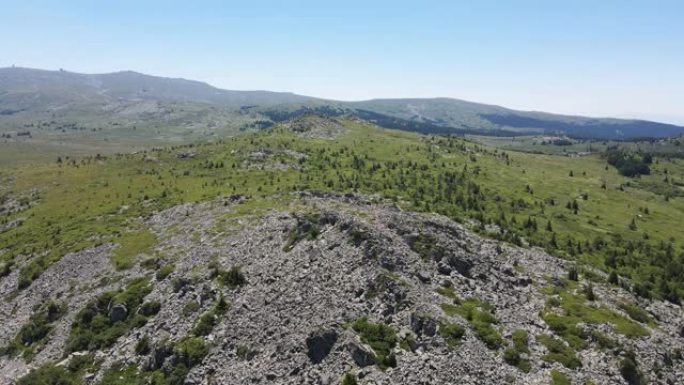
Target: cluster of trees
628 163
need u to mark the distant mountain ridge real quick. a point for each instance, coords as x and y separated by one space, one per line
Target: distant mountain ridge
34 94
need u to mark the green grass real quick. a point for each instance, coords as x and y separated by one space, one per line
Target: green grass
88 201
94 328
452 333
636 313
132 244
50 374
513 355
119 374
206 322
381 338
559 378
481 318
564 317
559 352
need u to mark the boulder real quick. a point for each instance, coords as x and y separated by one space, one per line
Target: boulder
459 264
361 355
423 324
320 343
118 313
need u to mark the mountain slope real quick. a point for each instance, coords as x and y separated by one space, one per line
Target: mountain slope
54 89
325 247
57 98
470 116
308 309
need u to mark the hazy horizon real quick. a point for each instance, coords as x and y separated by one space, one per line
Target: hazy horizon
611 59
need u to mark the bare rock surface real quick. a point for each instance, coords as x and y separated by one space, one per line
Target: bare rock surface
314 268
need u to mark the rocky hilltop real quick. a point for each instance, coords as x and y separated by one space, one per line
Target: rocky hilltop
331 289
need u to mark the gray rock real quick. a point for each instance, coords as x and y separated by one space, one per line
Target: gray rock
361 355
117 313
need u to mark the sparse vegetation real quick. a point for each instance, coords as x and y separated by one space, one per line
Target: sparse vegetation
629 369
483 193
349 379
380 337
513 355
559 352
108 317
559 378
231 278
505 194
452 333
208 320
33 334
576 311
164 272
480 316
635 312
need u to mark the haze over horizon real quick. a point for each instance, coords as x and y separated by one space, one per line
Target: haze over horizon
617 59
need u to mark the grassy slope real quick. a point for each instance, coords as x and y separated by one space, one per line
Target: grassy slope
98 200
534 144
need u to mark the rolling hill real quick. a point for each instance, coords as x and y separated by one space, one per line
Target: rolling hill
332 251
179 109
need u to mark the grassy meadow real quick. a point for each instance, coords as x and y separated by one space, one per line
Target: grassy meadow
577 208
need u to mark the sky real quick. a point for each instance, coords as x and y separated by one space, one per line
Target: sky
619 58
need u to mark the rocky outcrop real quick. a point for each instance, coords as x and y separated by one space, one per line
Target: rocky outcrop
291 323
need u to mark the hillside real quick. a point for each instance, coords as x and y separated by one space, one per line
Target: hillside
45 114
470 117
329 250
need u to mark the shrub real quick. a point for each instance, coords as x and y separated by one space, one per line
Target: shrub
521 340
49 375
630 370
308 227
205 324
190 307
635 312
94 328
179 283
191 351
558 352
558 378
164 272
479 315
349 379
380 337
231 278
36 330
513 355
244 352
150 308
207 321
452 333
142 347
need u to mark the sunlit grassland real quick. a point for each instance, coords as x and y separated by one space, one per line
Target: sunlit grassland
89 201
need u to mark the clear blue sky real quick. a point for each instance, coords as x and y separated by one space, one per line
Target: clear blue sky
600 57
